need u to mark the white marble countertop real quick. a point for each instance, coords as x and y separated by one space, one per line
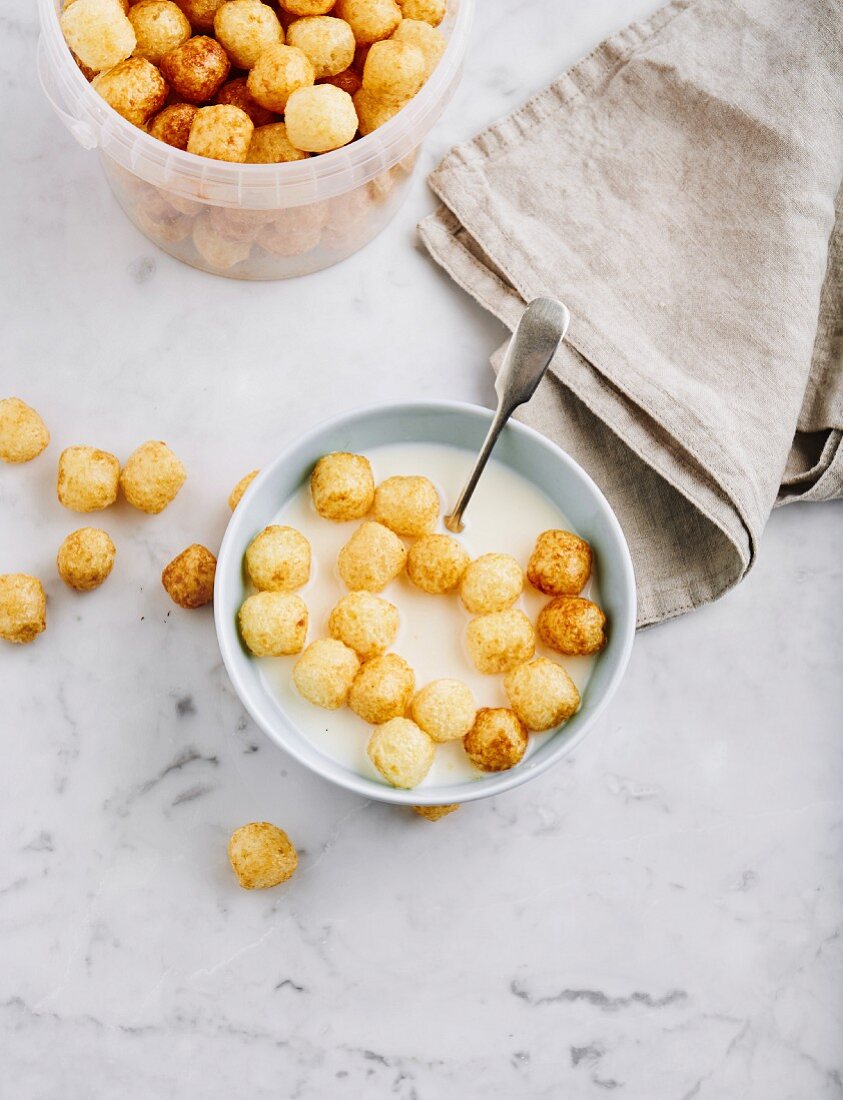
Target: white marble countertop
659 918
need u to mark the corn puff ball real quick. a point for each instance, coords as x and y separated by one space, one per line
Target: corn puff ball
370 20
134 88
221 133
429 11
320 118
501 640
382 689
88 479
349 80
497 741
172 125
159 27
85 558
444 709
244 28
328 42
289 242
23 434
394 71
98 32
279 71
493 582
407 505
436 813
278 559
401 752
273 624
201 13
270 145
560 565
325 672
189 578
541 693
240 488
235 93
23 606
372 112
436 563
196 70
301 8
428 39
152 477
342 486
218 251
261 855
371 558
572 625
366 623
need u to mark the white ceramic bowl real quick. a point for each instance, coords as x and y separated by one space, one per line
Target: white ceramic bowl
520 448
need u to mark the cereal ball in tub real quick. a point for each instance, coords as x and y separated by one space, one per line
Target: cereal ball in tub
23 607
370 20
325 672
444 709
349 80
436 813
301 8
497 741
98 32
501 640
218 251
85 558
401 752
367 623
560 564
221 133
235 93
244 28
373 112
371 558
172 125
201 13
197 69
541 693
189 578
492 582
279 71
134 88
342 486
278 559
237 225
281 241
428 39
261 855
159 27
436 563
270 145
394 71
572 625
407 505
320 118
328 42
23 434
240 488
152 477
88 479
430 11
382 689
273 624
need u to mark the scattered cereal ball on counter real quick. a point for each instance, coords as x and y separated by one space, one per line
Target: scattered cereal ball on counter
172 125
382 689
197 69
394 71
436 813
342 486
98 32
134 88
370 20
23 607
240 488
349 80
560 565
270 145
88 478
430 11
428 39
497 741
436 563
23 434
279 71
444 709
273 624
368 624
325 672
320 118
244 28
189 578
300 8
278 559
216 250
541 693
373 112
261 855
572 625
328 42
221 133
371 558
407 505
201 13
86 558
159 27
401 752
152 477
492 582
501 640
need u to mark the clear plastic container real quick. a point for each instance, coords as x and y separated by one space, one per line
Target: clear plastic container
252 221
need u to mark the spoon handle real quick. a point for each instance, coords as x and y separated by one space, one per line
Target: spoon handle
454 521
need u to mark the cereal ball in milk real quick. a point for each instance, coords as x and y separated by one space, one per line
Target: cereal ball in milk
324 673
370 20
23 434
244 28
278 559
270 145
373 112
235 93
436 563
428 39
541 693
98 32
492 582
273 624
401 752
197 69
430 11
394 71
221 133
159 27
497 741
328 42
261 855
349 80
367 623
201 13
172 125
189 578
240 488
279 71
320 118
407 505
342 486
88 479
560 564
501 640
217 250
301 8
444 709
85 558
572 625
134 88
436 813
152 477
382 689
371 558
23 607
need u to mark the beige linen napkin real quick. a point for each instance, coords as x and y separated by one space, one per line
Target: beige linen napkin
676 189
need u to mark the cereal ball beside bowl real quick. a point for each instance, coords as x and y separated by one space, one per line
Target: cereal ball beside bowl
261 855
152 477
86 558
401 752
273 624
189 578
240 488
382 689
23 434
366 623
325 672
278 559
23 608
497 741
88 478
436 813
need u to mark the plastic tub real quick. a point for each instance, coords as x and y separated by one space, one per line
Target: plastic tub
252 221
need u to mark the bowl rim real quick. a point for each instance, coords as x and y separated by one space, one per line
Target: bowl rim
487 786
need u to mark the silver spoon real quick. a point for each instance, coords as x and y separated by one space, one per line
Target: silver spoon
539 333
